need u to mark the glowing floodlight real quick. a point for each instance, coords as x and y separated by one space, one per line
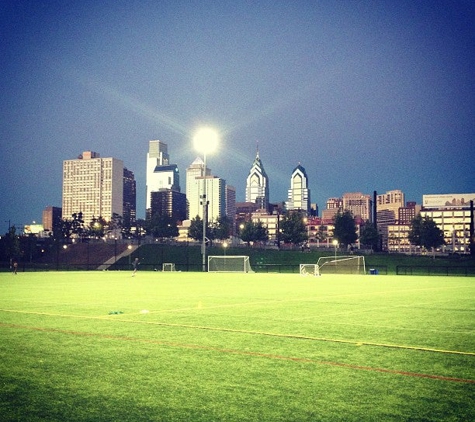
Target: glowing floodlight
205 140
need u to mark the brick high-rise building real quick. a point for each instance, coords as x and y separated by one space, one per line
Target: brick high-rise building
94 186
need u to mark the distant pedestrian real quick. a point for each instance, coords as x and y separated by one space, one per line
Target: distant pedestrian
14 266
135 265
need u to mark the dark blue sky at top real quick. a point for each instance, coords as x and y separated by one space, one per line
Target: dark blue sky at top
366 95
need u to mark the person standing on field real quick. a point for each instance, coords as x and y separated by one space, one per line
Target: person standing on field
14 265
136 266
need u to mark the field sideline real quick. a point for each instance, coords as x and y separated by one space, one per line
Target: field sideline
100 346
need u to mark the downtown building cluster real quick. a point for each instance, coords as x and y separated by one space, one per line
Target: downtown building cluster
104 187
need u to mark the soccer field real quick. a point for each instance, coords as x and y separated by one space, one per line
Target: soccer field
105 346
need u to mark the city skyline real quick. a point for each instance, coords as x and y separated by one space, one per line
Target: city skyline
367 96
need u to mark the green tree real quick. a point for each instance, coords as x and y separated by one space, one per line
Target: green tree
98 227
162 226
77 224
254 232
115 224
28 246
415 231
70 226
425 233
321 234
247 232
12 244
369 235
196 230
292 228
260 232
222 228
345 228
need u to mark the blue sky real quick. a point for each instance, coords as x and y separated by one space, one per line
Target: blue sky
366 95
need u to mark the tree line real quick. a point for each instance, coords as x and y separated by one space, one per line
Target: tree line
291 230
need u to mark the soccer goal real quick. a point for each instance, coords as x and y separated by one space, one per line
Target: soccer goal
353 264
309 269
229 264
168 266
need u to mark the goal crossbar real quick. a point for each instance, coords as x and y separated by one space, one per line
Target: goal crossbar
168 266
353 264
229 264
309 269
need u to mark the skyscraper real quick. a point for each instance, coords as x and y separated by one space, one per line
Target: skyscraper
93 186
231 204
299 193
215 192
216 195
170 203
130 199
193 186
391 200
160 173
359 204
51 217
257 184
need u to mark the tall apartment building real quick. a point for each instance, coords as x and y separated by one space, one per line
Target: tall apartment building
160 173
333 205
170 203
359 204
408 213
299 193
130 199
215 195
50 217
452 214
387 212
230 210
391 201
397 233
94 186
194 187
257 184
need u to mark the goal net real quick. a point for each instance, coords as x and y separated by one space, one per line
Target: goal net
168 266
341 265
229 264
309 269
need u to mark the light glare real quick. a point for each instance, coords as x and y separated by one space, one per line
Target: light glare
205 140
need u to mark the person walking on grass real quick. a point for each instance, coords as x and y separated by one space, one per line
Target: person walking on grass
135 265
14 266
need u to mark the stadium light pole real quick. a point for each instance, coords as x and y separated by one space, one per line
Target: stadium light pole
205 142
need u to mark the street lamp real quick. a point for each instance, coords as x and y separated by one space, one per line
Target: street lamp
225 245
335 243
129 247
205 142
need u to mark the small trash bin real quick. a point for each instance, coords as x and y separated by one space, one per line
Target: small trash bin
373 271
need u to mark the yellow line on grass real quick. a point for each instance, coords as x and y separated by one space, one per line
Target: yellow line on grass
262 333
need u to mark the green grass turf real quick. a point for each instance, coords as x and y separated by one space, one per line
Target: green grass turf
76 346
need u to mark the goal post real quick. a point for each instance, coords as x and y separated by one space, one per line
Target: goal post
352 264
309 269
229 264
168 266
